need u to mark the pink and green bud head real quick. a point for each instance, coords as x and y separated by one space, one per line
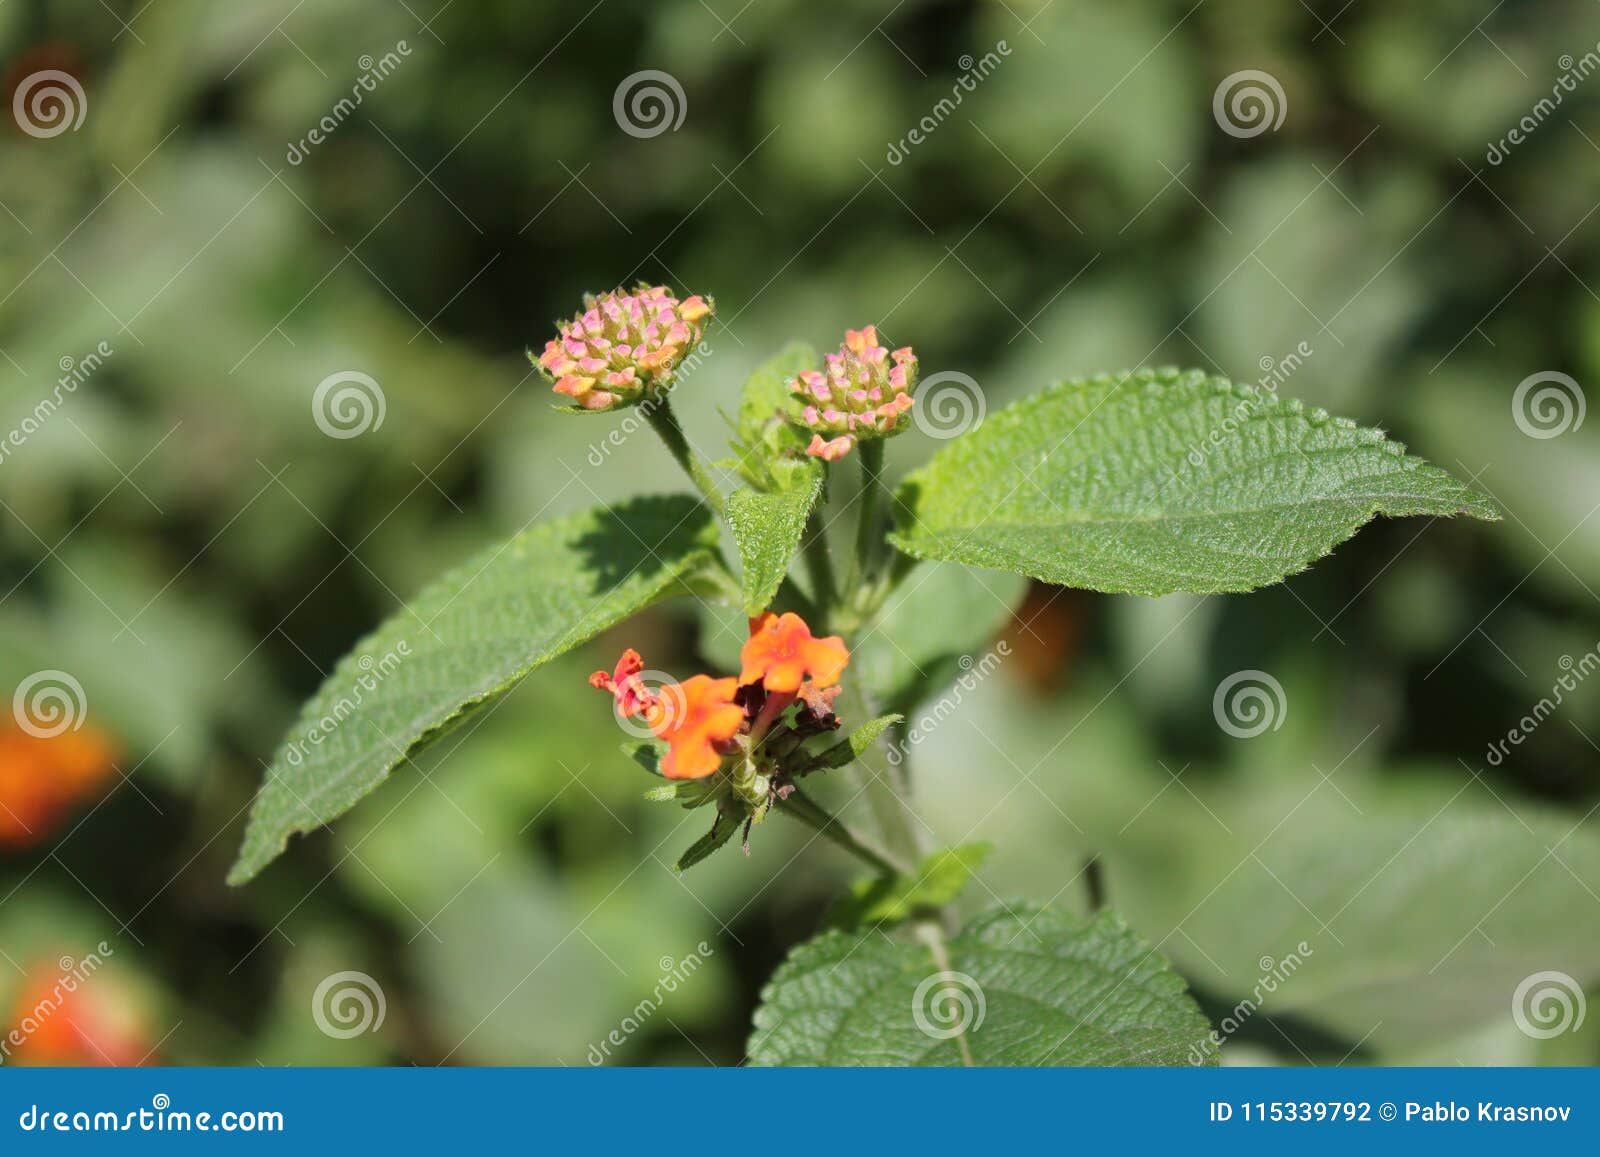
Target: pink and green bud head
623 346
862 392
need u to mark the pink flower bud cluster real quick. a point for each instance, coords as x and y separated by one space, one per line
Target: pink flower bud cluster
623 345
860 395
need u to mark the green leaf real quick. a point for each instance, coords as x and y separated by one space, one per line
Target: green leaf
465 640
768 526
765 427
722 829
1028 986
1159 481
1408 909
901 661
646 753
939 879
850 749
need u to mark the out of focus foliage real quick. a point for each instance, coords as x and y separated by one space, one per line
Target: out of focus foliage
183 538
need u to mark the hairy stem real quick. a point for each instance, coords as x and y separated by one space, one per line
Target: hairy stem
868 540
802 807
665 422
819 564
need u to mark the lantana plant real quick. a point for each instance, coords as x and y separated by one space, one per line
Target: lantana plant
1145 483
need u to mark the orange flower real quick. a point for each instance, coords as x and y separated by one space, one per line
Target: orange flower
67 1020
42 778
695 717
632 696
782 653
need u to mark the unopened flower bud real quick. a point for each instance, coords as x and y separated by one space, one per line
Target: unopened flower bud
623 346
862 393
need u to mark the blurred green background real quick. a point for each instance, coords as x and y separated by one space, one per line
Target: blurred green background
183 538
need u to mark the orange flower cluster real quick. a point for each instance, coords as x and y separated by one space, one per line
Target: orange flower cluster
42 779
701 718
66 1020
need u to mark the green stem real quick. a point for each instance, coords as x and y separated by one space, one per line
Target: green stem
802 807
868 540
660 416
819 565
